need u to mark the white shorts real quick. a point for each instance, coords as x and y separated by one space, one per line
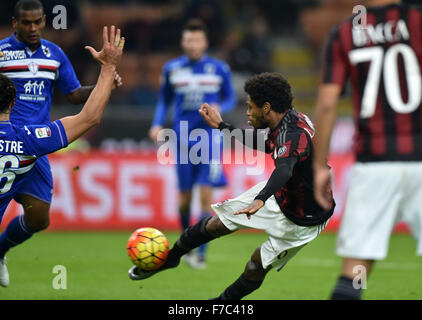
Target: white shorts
285 237
380 195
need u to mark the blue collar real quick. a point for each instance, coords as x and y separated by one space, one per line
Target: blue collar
15 41
203 58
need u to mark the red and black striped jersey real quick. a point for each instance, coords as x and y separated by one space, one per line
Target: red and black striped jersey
293 138
383 60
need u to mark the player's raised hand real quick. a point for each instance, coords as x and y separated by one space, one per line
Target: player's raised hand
112 50
251 209
322 186
210 115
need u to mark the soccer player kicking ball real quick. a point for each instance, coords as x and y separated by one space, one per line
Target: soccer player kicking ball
20 146
283 206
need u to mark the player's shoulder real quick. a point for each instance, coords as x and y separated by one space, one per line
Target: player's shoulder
344 24
6 40
7 44
17 132
299 123
220 64
51 49
175 63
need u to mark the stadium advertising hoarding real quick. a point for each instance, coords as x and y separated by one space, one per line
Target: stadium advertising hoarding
110 191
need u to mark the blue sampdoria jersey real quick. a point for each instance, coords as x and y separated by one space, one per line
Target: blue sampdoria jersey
188 84
19 149
35 75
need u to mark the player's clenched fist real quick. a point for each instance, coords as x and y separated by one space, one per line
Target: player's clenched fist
113 44
210 115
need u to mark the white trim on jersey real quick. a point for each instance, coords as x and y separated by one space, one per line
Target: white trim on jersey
29 75
25 62
24 169
184 82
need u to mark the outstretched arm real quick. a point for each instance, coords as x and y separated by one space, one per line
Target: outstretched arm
281 174
325 116
93 109
212 117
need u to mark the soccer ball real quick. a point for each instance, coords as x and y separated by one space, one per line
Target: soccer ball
147 248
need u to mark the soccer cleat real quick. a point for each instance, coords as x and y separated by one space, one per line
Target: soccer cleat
136 273
4 274
195 261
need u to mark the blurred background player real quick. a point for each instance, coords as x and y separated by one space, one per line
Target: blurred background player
187 82
383 60
284 206
23 145
35 65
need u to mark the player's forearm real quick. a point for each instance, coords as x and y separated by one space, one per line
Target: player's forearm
281 174
325 117
160 114
97 101
252 138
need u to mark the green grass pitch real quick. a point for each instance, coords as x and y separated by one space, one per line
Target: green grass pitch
96 266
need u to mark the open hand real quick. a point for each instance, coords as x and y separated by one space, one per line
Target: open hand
112 50
251 209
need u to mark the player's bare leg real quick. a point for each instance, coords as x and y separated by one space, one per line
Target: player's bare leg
37 212
249 281
204 231
352 268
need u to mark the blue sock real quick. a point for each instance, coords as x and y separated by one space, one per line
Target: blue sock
185 218
16 232
202 248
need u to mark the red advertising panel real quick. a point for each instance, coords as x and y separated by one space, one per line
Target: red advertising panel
99 190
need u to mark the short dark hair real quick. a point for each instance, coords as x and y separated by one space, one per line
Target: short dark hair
27 5
195 25
272 88
7 93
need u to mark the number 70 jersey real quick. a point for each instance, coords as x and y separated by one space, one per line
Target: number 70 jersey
19 149
383 60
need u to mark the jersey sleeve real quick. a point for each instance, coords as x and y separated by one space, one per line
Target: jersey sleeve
67 79
165 98
254 139
335 64
228 94
45 138
297 144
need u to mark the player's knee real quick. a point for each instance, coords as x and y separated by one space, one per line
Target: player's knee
38 224
37 218
254 270
216 228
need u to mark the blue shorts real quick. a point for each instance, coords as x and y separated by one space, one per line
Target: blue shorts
206 172
201 174
38 182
